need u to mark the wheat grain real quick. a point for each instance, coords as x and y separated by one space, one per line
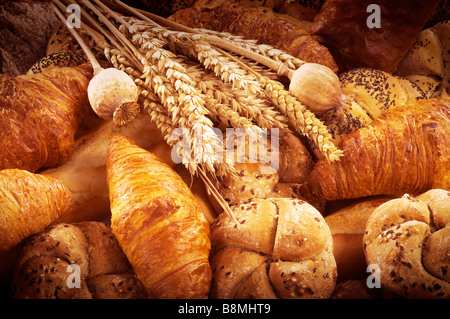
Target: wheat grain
302 119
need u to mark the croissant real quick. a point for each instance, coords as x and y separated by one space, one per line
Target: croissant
158 223
230 16
28 203
39 116
405 150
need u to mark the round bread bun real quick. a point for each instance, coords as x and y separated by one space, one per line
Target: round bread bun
74 261
404 239
280 248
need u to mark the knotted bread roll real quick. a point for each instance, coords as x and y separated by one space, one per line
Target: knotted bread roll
281 248
74 261
409 240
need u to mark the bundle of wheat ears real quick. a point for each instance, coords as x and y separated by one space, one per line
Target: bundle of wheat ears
186 81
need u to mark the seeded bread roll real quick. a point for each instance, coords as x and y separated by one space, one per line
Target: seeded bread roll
368 93
74 261
261 165
57 60
403 239
281 248
428 61
116 286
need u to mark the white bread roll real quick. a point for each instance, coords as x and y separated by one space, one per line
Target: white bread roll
281 248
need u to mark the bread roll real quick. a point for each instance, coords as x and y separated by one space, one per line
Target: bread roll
74 261
428 61
368 93
261 165
412 254
347 226
281 248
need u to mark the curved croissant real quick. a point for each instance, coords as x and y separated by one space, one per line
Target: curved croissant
405 150
28 203
158 223
39 116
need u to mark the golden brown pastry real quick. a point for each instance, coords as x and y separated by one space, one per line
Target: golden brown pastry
347 226
40 115
280 248
230 16
368 93
346 28
439 204
85 171
28 203
74 261
405 150
158 223
411 253
261 165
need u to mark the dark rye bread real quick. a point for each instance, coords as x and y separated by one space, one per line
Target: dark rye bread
25 27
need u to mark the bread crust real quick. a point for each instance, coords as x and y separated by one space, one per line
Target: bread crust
230 16
405 150
411 255
40 115
154 212
281 248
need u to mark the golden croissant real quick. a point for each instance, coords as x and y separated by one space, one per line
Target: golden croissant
405 150
158 223
40 115
28 203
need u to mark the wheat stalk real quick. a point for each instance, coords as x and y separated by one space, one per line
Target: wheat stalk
263 49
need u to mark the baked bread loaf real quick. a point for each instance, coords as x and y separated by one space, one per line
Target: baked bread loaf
85 171
345 28
405 150
260 166
28 203
62 41
428 62
368 93
154 212
26 28
412 254
57 60
347 226
74 261
230 16
281 248
40 115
